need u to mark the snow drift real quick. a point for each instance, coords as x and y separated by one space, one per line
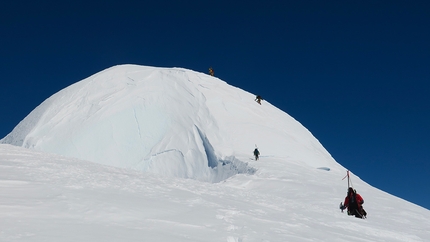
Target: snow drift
169 121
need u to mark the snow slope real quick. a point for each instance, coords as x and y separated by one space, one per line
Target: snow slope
168 121
79 176
46 197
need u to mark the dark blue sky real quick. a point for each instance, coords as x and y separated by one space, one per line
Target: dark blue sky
355 73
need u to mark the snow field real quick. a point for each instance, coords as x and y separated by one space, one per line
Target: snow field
165 154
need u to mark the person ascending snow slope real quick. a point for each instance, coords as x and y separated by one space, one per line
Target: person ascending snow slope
256 153
354 203
211 71
258 98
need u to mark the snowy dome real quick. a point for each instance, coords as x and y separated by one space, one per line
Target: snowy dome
170 121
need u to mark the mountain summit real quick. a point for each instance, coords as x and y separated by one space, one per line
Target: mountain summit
170 121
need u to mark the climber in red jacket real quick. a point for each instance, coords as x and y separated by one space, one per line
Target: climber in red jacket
354 203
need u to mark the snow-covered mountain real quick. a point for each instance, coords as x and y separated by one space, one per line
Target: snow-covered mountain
168 121
106 160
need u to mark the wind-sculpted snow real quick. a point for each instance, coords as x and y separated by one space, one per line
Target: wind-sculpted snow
169 121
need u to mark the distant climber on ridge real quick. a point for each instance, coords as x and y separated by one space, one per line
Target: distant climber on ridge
258 98
256 153
354 203
211 71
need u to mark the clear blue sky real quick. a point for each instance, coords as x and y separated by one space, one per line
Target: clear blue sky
355 73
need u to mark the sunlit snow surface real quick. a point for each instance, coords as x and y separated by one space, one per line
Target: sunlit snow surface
169 121
173 124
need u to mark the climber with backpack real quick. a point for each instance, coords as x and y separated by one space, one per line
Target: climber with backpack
256 153
258 99
354 203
